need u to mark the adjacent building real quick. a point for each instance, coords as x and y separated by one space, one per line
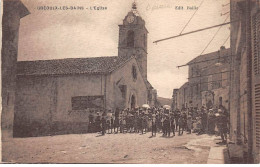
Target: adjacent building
245 81
208 82
13 12
175 99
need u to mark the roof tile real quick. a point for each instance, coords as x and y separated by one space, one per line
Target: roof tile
70 66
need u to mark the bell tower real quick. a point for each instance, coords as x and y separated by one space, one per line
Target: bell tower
133 39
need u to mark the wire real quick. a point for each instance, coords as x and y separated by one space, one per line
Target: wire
222 14
196 62
219 57
186 33
191 17
226 40
201 76
225 4
213 37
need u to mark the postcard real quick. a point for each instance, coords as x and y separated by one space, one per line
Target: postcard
130 82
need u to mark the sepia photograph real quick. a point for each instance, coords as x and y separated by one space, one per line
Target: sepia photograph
130 82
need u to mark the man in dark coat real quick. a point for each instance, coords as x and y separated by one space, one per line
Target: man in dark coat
204 120
117 113
97 123
135 122
163 125
222 124
167 126
90 122
112 123
180 121
116 124
103 125
154 122
177 116
143 126
172 124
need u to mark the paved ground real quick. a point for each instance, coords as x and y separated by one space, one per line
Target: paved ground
111 148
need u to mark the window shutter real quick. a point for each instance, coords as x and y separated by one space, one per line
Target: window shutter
256 70
257 115
256 47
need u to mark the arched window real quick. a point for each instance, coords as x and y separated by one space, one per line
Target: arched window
134 72
130 38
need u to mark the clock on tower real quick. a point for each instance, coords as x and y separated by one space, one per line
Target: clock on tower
130 19
133 39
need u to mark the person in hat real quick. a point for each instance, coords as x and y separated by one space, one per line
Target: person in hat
127 120
177 116
90 122
189 124
104 113
116 123
112 122
222 125
180 121
197 127
204 120
167 125
154 128
211 122
163 125
158 122
103 125
97 123
108 123
121 124
172 122
117 112
143 125
135 121
130 123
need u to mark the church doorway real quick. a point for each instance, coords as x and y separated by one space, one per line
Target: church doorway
133 101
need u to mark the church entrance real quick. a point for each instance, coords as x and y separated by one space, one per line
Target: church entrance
133 101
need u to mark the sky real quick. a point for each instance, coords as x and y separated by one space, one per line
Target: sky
48 34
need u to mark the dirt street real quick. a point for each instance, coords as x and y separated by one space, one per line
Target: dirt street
111 148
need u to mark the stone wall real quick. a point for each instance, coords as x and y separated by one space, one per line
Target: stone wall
43 104
34 105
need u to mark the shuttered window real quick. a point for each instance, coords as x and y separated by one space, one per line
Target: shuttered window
255 38
257 115
256 68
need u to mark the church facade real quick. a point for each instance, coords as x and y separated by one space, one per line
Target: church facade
55 96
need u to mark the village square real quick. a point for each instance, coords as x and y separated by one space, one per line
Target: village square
108 109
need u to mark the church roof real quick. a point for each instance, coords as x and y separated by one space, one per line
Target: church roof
148 84
95 65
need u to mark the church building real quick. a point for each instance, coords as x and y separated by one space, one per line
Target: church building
55 96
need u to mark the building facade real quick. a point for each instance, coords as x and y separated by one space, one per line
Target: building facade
244 112
208 82
183 96
13 12
55 96
175 99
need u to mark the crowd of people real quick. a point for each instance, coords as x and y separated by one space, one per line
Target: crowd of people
161 120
